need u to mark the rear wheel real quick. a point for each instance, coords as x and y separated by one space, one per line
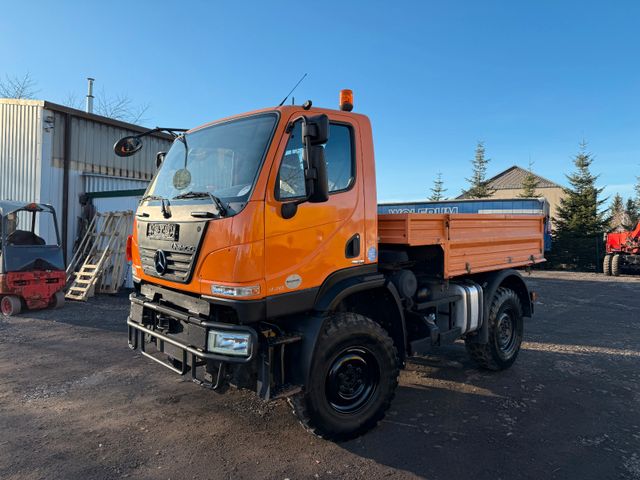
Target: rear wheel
10 305
615 265
606 265
352 381
505 325
58 299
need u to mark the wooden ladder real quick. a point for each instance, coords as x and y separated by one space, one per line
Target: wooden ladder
99 262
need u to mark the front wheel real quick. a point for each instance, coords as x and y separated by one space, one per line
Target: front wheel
352 380
606 265
506 324
615 265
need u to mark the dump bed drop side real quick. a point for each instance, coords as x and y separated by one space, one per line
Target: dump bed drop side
471 243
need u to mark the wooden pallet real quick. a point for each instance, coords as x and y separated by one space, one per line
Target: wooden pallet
98 264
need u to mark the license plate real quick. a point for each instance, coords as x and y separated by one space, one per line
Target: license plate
162 231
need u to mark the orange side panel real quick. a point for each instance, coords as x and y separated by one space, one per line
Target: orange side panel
472 243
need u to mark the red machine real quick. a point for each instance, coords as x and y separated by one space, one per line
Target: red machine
623 252
32 272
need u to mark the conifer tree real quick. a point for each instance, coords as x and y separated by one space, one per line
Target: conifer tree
580 220
632 214
580 211
437 191
617 213
478 186
529 185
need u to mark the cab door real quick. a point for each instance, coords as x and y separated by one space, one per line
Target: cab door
321 238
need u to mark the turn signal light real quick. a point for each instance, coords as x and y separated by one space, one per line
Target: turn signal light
128 250
346 100
235 291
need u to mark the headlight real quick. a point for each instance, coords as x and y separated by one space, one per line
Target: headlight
229 343
235 291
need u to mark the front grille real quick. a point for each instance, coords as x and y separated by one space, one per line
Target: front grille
179 265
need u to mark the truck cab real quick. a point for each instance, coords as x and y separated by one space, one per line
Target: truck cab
257 262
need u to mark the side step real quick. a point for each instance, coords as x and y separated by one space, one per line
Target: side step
272 381
435 337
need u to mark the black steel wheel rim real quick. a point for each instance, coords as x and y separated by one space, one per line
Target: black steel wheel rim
507 335
352 380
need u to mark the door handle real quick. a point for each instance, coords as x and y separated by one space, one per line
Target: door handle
352 248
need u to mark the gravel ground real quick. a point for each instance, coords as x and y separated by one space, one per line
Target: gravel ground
75 402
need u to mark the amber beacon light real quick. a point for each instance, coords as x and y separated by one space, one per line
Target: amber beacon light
346 100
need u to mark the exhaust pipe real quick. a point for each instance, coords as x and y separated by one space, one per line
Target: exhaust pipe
89 107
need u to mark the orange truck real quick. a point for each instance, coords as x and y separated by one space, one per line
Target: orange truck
260 261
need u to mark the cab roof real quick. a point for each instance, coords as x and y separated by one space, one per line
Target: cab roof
10 206
284 110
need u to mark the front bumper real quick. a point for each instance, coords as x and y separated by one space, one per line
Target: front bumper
193 331
183 336
178 326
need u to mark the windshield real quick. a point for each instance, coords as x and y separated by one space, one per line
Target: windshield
29 228
223 160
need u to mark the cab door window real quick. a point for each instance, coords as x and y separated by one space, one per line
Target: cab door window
338 154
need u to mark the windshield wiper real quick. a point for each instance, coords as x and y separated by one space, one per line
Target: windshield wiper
165 206
152 197
222 211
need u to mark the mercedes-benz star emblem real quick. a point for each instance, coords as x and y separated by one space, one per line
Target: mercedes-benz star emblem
160 262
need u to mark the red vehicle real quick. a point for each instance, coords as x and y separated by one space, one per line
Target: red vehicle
623 252
32 273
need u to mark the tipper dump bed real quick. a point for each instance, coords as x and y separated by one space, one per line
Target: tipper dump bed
471 243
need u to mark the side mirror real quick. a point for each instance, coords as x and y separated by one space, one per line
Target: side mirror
318 183
315 133
160 158
127 146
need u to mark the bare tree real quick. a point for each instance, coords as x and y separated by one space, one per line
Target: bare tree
119 107
72 100
18 87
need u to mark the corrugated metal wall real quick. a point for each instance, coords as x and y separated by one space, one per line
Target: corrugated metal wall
91 152
104 183
92 149
32 135
20 151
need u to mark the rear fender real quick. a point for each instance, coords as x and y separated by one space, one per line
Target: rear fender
490 283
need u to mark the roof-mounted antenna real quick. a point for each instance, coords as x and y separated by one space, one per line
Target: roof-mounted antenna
292 90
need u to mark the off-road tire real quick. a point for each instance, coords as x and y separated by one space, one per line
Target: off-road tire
492 355
318 406
606 265
615 265
10 305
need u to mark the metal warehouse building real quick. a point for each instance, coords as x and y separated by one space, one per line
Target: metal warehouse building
59 155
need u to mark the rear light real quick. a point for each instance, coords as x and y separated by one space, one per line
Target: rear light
127 251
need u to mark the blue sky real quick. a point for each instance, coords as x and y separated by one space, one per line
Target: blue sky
530 79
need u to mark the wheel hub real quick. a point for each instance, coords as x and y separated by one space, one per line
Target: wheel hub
352 379
5 306
506 332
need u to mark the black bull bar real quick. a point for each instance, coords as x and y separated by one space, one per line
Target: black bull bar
197 356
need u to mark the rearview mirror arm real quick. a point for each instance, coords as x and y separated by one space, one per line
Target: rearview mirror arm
170 131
